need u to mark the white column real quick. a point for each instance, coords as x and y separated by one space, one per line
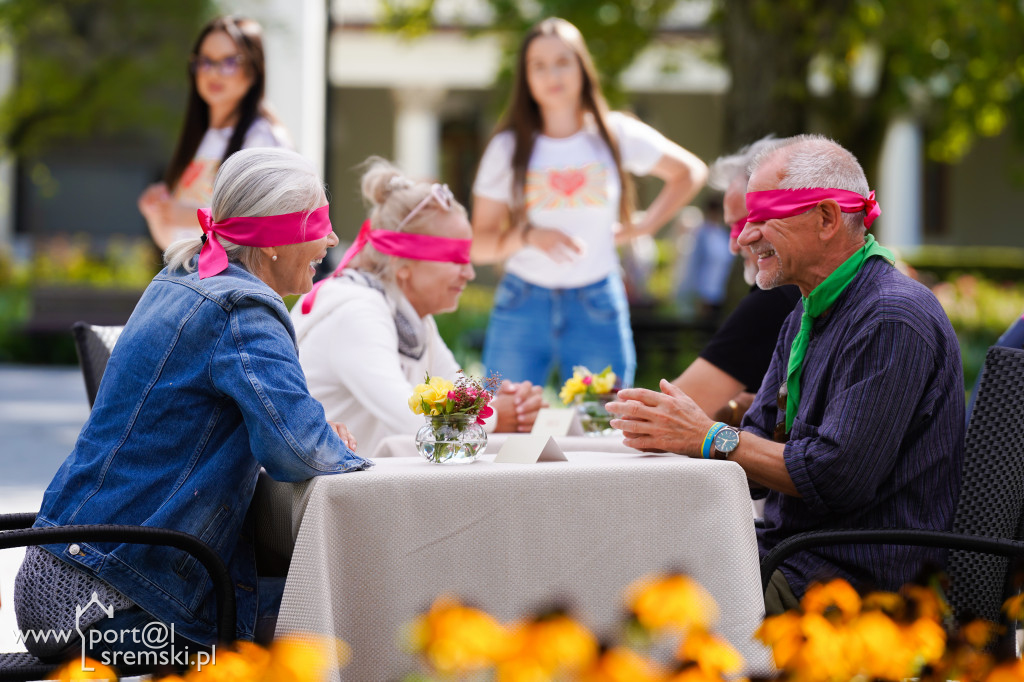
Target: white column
295 42
901 184
418 131
7 178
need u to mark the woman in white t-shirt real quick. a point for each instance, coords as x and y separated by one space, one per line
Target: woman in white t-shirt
552 199
367 335
225 113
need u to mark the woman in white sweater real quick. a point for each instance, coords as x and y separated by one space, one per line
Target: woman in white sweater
366 335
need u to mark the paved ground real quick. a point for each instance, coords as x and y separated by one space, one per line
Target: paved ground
42 410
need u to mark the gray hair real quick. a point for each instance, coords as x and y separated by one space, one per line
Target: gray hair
252 183
726 169
392 196
817 161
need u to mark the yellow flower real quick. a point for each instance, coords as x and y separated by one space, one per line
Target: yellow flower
619 664
554 645
889 602
819 598
784 635
572 388
458 639
1014 607
886 653
928 638
979 633
675 602
713 655
305 658
430 397
604 382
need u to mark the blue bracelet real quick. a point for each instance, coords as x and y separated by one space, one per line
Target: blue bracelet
710 437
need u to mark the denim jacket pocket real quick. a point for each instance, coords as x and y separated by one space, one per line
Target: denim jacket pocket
185 564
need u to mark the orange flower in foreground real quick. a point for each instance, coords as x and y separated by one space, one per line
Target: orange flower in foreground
620 664
458 639
671 602
784 635
819 598
889 602
1007 672
1014 607
555 645
305 658
978 633
928 601
72 670
713 655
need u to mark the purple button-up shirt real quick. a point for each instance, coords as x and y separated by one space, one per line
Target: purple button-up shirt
878 437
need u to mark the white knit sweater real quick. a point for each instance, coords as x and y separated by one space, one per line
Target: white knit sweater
348 347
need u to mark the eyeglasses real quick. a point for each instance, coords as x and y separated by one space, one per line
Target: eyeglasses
780 435
439 193
226 67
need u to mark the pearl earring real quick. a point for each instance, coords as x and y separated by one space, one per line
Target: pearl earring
273 258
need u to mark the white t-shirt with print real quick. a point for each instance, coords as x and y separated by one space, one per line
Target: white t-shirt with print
571 185
196 183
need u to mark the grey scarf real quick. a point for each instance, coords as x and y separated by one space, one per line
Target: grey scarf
411 337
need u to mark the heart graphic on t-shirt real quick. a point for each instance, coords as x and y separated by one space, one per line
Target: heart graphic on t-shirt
566 182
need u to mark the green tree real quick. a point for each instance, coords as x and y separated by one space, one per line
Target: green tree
95 67
956 65
616 31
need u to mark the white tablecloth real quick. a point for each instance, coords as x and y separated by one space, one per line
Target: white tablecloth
376 547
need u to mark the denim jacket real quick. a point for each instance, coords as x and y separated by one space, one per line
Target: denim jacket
203 387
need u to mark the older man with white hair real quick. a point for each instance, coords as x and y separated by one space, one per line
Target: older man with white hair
860 419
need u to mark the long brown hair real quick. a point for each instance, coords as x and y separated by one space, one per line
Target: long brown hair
248 37
523 116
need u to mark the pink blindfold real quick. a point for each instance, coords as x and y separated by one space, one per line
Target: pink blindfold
274 230
402 245
737 227
786 203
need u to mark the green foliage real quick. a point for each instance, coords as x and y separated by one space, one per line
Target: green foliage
95 67
616 31
956 65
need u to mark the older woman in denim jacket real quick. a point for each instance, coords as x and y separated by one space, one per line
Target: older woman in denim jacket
203 387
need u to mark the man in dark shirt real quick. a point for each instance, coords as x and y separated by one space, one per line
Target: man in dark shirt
870 432
729 370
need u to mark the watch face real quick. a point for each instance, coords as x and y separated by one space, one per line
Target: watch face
726 440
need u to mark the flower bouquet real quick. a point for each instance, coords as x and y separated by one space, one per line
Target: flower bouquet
455 415
591 392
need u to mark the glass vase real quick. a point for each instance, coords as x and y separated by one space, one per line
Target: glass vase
451 439
593 415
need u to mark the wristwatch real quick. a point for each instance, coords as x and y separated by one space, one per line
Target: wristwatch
725 442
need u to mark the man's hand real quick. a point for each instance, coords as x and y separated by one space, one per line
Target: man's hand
660 422
517 406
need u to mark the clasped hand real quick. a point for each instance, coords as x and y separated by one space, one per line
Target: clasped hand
517 406
660 422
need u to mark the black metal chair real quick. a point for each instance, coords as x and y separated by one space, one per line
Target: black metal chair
988 526
16 531
93 344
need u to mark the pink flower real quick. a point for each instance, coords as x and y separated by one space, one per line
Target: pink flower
452 395
588 380
486 412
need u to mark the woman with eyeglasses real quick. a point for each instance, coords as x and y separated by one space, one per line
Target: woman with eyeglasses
367 335
225 113
552 200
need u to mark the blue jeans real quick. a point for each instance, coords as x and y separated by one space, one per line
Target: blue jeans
534 330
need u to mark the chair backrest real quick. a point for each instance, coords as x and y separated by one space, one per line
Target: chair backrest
992 489
93 344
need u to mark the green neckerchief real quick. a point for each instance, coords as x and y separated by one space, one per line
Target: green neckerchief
820 300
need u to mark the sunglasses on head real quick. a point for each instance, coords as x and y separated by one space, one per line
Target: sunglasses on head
439 193
228 66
